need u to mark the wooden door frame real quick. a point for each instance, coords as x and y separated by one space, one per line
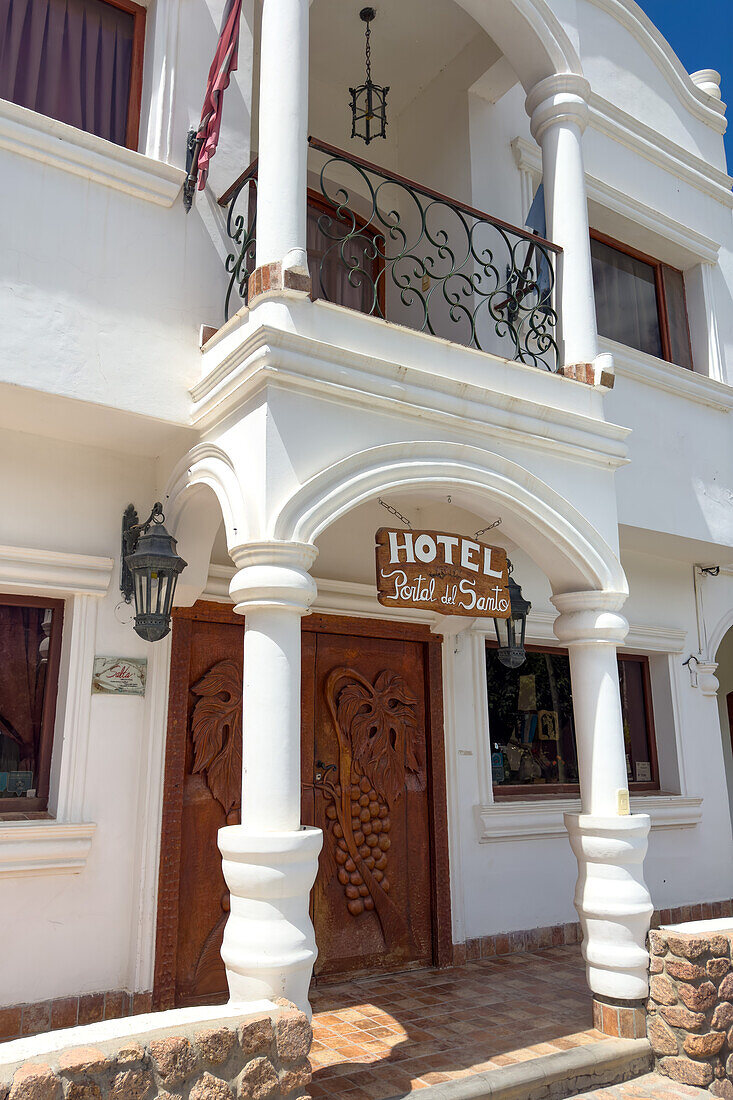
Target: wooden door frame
166 937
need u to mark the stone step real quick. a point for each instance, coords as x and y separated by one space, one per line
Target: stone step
551 1076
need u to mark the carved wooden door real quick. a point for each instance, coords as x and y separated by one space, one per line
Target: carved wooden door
373 780
365 783
202 793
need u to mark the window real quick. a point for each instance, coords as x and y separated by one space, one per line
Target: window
640 302
531 724
30 647
79 61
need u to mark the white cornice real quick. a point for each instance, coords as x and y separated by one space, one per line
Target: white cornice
631 16
610 120
269 356
49 571
670 378
542 818
72 150
43 848
360 600
528 158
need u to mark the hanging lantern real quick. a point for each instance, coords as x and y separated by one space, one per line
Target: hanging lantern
510 632
369 100
150 568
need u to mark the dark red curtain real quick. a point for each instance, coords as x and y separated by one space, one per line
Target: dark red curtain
69 59
22 680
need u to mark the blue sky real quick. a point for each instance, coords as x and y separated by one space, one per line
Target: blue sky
701 34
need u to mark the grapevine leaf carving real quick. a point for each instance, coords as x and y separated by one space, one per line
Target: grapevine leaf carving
216 726
382 723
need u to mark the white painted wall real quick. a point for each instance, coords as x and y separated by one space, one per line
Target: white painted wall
102 292
73 932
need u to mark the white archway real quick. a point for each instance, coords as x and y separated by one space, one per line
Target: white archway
202 490
560 540
530 36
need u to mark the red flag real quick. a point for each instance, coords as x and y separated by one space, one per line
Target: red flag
224 63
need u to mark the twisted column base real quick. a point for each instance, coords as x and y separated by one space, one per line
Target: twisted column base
613 902
269 945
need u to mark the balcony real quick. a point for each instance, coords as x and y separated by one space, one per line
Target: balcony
388 247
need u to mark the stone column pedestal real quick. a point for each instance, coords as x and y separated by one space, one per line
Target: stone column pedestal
269 861
609 842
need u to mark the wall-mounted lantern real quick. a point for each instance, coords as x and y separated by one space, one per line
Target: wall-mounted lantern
149 573
510 632
369 100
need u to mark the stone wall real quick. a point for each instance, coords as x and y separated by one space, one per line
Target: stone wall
690 1008
166 1056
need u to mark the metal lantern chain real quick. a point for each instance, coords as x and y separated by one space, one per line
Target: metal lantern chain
368 45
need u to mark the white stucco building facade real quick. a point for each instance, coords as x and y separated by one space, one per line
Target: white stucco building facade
271 446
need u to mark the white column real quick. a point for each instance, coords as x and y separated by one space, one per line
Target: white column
269 860
609 843
558 111
283 135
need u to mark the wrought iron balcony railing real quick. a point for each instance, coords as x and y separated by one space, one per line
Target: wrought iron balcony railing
386 246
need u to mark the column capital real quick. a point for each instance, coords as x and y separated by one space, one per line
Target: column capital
557 99
273 576
590 617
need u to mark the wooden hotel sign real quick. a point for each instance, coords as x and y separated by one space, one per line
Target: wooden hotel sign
435 571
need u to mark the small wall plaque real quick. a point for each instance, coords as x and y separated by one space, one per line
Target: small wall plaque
119 676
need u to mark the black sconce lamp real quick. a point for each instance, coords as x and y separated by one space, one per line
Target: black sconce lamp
510 632
149 573
369 100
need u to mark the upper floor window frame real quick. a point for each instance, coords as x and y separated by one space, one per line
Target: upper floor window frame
658 267
134 98
134 102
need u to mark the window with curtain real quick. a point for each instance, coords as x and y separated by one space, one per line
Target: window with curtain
640 301
79 61
532 731
30 647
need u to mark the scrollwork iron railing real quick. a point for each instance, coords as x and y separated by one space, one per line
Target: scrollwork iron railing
386 246
240 201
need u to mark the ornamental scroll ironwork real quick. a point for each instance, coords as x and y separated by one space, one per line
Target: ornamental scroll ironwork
434 264
394 249
240 201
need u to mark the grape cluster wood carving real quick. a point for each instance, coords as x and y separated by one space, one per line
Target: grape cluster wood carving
216 728
376 728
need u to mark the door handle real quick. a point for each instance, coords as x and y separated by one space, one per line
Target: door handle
322 771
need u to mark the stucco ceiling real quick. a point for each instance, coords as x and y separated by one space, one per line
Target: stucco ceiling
412 40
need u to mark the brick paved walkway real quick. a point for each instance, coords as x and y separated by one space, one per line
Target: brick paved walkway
378 1037
650 1087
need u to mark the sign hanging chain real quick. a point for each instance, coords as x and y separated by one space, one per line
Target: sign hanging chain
403 519
393 511
491 527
